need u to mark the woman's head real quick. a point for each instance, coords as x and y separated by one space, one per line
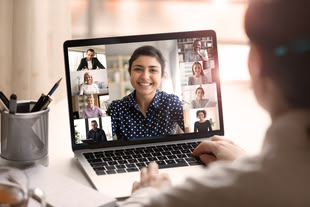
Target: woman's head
88 78
197 45
199 93
280 32
197 69
201 114
148 51
90 101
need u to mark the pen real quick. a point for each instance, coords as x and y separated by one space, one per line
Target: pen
4 99
37 195
39 103
13 104
45 100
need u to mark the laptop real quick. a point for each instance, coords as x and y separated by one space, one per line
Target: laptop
102 98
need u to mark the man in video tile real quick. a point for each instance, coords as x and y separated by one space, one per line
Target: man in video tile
96 134
90 62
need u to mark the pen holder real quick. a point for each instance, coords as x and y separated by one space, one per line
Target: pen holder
24 135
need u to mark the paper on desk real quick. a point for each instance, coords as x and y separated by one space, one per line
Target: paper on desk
62 191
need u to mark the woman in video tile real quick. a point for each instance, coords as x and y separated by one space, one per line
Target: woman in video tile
88 87
197 54
199 102
202 125
198 77
146 111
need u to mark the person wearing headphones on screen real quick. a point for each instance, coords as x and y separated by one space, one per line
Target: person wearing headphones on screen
279 66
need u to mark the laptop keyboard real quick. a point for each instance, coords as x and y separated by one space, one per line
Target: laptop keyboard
133 159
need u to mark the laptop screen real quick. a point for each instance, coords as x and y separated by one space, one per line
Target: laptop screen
145 88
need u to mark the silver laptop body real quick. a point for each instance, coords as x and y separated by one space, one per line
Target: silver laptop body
112 162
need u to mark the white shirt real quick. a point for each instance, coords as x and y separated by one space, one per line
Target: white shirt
279 176
89 64
192 56
89 89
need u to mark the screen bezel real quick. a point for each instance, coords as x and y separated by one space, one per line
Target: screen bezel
141 38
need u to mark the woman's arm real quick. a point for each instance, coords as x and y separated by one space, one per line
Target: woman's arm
114 117
96 88
84 114
180 117
82 89
100 112
204 79
195 127
193 104
190 82
209 126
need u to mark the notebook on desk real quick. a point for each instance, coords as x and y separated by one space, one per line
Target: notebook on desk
62 191
123 137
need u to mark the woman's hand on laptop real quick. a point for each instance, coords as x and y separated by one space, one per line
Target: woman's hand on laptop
218 148
149 177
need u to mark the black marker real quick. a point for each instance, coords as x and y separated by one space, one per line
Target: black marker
13 104
45 100
4 99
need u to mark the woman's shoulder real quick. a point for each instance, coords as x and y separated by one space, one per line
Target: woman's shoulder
194 101
169 96
121 102
96 108
115 107
116 102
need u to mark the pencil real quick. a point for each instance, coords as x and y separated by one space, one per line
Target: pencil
54 88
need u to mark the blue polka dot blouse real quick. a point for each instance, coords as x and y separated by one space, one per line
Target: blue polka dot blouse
163 117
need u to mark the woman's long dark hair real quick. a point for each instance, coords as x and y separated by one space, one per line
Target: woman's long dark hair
281 30
151 51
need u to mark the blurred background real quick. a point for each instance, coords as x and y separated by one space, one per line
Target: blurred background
100 18
33 32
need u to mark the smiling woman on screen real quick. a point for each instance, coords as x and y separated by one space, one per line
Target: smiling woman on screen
199 101
147 111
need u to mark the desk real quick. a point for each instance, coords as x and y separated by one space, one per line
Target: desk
244 121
